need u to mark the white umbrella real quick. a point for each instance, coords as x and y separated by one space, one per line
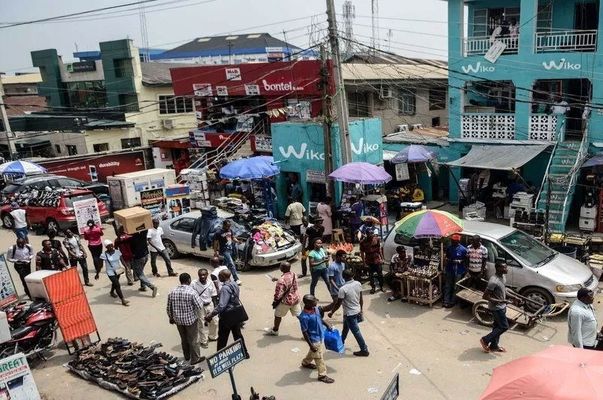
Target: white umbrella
21 168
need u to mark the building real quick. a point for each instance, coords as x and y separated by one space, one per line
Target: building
523 74
21 93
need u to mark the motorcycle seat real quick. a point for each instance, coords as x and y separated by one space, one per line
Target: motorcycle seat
20 332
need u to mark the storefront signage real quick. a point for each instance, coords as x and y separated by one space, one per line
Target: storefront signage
402 172
8 293
82 66
359 147
315 176
252 90
563 64
495 51
202 89
477 67
85 210
16 379
392 392
274 49
279 87
157 183
222 90
226 359
152 200
233 74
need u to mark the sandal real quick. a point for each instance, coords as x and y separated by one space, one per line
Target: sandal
484 345
326 379
309 366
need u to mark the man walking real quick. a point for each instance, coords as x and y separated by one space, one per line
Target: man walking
335 272
286 297
158 249
456 255
582 322
225 244
477 256
350 296
312 327
183 307
20 255
140 255
122 243
496 294
76 254
294 215
19 221
206 290
372 255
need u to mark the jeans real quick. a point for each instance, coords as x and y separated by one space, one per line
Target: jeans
138 267
450 281
501 325
317 274
73 263
115 286
227 254
22 233
350 323
376 274
166 258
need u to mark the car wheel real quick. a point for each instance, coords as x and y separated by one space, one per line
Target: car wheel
538 296
171 248
482 313
52 224
242 266
7 221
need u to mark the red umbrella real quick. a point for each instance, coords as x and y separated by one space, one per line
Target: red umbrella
557 373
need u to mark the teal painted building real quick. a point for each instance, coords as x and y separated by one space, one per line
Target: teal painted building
543 88
298 149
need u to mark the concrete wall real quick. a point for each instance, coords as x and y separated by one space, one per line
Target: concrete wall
111 136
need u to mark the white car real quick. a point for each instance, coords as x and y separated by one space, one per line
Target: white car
535 270
178 233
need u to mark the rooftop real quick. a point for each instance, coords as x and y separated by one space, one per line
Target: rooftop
158 73
377 72
34 77
24 104
391 58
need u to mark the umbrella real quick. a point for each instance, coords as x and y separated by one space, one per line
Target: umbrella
361 172
557 373
250 168
21 168
415 153
593 162
429 224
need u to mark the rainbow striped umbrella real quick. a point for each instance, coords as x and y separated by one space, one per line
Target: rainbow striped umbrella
429 224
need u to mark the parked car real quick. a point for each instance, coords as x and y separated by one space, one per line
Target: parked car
54 181
178 233
58 218
535 270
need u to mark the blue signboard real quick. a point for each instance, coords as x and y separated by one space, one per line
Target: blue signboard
226 358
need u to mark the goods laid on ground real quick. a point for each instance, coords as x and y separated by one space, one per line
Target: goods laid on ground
335 247
355 263
134 219
134 370
270 236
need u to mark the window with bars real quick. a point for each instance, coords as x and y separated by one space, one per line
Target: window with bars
175 104
130 143
437 99
407 103
101 147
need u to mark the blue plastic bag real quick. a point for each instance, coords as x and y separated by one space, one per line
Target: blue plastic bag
333 341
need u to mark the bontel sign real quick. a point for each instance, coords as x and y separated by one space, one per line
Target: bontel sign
563 64
479 67
303 151
280 87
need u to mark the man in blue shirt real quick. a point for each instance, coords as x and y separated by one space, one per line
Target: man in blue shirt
456 256
335 272
312 327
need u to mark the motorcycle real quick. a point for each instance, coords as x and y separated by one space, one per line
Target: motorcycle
18 313
256 396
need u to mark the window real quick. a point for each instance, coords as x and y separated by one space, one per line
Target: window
358 104
128 102
123 68
66 182
184 225
175 104
71 149
407 102
57 148
437 99
130 143
101 147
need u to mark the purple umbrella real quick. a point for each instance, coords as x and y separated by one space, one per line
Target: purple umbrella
361 172
415 153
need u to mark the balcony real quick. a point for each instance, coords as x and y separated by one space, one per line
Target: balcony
488 126
546 127
479 45
565 41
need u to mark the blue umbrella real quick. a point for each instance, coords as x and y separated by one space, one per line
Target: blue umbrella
250 168
21 168
415 153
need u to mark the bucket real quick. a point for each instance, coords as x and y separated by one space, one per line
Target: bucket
569 251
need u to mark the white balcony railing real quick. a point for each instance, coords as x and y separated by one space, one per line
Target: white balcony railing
546 127
488 126
479 45
573 40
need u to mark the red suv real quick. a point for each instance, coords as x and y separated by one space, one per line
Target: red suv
58 218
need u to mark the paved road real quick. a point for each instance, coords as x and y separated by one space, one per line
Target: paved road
436 351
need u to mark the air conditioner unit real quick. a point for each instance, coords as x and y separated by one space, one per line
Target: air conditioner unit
402 128
385 92
417 126
168 123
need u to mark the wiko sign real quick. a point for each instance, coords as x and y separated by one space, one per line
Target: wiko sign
303 152
563 64
477 67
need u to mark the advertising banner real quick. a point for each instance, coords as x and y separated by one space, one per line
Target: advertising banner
178 200
16 380
84 211
8 293
152 200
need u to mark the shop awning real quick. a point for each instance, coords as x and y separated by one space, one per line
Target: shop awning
501 157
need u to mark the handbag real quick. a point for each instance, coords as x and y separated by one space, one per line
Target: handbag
275 303
235 315
119 270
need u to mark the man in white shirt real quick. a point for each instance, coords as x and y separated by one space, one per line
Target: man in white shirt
158 249
294 216
215 272
20 255
206 290
19 221
560 106
581 321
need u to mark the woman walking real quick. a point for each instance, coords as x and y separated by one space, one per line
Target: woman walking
93 234
324 211
111 258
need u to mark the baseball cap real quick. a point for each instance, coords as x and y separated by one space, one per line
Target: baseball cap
107 242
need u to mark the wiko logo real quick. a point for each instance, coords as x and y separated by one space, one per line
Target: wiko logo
563 64
477 68
364 148
303 152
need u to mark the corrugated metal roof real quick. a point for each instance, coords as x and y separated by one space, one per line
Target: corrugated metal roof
391 58
504 157
158 73
379 72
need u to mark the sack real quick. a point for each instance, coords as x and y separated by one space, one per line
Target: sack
235 316
333 341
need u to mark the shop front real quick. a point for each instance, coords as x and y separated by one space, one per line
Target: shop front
298 149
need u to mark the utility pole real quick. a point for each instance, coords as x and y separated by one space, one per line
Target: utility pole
342 104
7 131
327 120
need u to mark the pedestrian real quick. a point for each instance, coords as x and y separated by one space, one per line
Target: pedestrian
225 244
350 296
477 256
318 266
357 209
306 248
496 294
206 289
227 309
19 216
315 232
93 234
111 258
294 215
183 307
21 254
323 209
312 326
158 249
582 321
76 254
367 225
140 256
56 244
456 258
335 272
286 297
399 264
372 256
217 267
122 243
49 258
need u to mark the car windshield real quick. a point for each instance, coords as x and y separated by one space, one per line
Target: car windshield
11 188
529 249
69 200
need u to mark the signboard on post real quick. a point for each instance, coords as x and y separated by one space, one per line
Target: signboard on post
495 51
393 389
8 293
16 380
152 200
225 360
84 211
402 172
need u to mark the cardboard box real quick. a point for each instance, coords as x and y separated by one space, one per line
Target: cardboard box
134 219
